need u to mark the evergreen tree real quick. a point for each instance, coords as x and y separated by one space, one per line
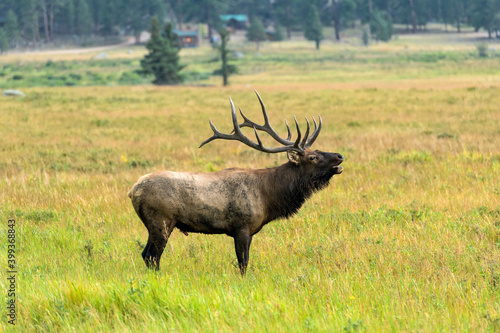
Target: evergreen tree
279 33
483 14
11 27
106 17
83 18
70 16
4 42
381 26
313 29
343 12
288 13
496 24
256 32
28 16
162 61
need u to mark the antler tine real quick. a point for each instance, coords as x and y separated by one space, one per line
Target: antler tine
289 137
267 125
299 134
314 136
213 137
219 135
246 122
264 113
304 141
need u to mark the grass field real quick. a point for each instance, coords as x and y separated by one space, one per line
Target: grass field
407 238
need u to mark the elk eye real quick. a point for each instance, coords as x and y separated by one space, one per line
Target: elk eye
312 158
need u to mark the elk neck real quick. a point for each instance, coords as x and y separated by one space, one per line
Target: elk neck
286 188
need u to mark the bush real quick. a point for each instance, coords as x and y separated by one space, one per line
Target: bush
76 77
482 50
381 26
130 78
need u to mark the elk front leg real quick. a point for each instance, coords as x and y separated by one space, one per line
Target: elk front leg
242 242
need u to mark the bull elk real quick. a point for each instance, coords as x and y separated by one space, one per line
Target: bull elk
236 202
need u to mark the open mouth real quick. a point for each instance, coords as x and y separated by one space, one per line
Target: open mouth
337 168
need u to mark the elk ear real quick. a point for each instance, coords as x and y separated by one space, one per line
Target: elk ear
293 157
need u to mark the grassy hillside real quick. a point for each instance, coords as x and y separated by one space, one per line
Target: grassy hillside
407 238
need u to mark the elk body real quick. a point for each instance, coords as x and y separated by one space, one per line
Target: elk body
237 202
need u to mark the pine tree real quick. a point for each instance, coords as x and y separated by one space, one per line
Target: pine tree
4 42
381 26
11 27
313 29
256 32
83 18
483 15
279 33
162 61
70 16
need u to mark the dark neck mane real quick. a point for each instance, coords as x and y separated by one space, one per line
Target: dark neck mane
286 189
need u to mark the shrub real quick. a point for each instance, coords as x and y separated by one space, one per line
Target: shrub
130 78
381 26
482 50
75 76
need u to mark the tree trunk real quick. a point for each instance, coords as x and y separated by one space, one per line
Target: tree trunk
317 44
35 29
288 23
257 46
457 16
179 14
413 19
489 32
209 21
51 21
439 10
370 8
43 3
336 19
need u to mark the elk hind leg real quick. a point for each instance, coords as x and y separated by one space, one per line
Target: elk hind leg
159 229
158 235
147 256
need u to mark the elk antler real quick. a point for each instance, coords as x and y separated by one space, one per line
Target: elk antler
306 143
298 146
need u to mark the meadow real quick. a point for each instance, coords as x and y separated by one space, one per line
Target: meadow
407 238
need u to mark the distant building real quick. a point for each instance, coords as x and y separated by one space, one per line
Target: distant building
236 22
270 34
187 38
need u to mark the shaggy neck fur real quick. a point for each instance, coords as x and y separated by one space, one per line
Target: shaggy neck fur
288 186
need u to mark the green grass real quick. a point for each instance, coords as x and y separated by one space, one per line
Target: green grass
407 238
406 57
